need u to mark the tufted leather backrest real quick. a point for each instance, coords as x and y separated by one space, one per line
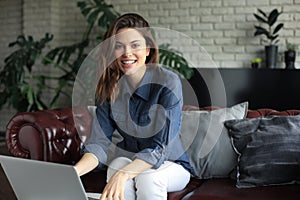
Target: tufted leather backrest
49 135
270 112
251 113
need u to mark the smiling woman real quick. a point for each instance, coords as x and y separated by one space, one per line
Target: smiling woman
139 102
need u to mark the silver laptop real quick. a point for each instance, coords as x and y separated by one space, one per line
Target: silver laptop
38 180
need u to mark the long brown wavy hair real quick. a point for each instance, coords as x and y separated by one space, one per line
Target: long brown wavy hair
106 87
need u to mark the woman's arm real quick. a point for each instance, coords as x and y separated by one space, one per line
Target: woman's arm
135 168
87 163
116 184
96 148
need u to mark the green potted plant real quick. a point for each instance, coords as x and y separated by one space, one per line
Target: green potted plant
290 56
255 63
269 28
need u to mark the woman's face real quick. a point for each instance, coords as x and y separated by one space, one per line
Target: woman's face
131 50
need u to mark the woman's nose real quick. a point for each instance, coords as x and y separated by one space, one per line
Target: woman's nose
127 50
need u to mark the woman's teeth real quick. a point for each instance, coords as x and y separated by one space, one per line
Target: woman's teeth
128 62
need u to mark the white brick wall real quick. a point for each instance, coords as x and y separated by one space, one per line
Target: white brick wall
10 25
224 28
225 24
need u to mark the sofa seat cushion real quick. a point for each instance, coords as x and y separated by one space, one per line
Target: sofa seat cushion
219 189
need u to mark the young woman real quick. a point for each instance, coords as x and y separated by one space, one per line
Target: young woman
139 112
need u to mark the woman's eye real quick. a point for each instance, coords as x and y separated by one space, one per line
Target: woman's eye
135 46
118 46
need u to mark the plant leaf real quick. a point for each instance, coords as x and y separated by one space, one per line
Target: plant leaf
260 31
274 37
30 95
273 17
260 19
173 59
278 27
82 5
262 12
92 17
98 10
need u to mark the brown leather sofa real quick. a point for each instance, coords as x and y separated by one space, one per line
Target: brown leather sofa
52 136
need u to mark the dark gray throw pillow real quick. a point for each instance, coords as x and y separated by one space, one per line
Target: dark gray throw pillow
268 148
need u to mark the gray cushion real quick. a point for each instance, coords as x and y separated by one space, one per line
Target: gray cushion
268 148
207 141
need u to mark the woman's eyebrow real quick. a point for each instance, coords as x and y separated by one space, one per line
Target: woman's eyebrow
134 41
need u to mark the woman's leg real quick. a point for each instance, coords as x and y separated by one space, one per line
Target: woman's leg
155 184
114 166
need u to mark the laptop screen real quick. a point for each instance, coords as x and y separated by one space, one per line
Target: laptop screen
31 179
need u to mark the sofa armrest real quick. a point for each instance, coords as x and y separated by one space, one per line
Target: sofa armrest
49 135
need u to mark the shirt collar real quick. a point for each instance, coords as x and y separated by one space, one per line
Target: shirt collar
143 89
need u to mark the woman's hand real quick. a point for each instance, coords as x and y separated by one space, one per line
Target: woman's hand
114 189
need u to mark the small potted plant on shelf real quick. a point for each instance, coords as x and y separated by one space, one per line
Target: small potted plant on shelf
269 28
255 63
290 56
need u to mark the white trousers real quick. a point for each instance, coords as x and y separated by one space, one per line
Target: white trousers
153 184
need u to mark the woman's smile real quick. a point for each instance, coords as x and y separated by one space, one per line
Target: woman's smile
128 63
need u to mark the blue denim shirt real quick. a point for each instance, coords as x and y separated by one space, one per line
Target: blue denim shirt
143 124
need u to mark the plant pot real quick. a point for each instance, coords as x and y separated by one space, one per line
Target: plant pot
271 56
289 59
255 65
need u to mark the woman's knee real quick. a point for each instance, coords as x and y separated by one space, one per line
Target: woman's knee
151 184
